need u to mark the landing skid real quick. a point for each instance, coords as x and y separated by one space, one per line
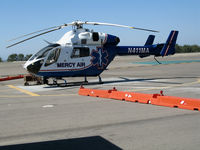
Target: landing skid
66 84
100 81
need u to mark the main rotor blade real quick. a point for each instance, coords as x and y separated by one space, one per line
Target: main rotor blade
144 29
32 33
33 37
118 25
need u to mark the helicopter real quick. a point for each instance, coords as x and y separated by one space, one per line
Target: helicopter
83 53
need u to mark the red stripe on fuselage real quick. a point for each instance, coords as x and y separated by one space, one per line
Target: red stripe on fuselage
169 43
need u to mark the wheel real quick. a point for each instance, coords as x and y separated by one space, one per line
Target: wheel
26 84
45 81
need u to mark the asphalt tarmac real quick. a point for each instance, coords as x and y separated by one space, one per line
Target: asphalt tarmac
44 117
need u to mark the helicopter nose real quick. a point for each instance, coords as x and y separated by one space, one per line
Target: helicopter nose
34 67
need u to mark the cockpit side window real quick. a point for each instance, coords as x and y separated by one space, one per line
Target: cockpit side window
53 56
43 52
80 52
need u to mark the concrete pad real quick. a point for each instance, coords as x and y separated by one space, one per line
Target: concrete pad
59 113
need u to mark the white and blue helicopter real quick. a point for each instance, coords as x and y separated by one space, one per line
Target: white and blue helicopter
82 52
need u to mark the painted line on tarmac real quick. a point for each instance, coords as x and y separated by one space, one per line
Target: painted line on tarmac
167 87
48 106
23 91
166 62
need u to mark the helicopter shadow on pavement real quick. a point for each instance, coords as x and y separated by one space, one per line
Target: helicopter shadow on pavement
148 80
121 80
89 143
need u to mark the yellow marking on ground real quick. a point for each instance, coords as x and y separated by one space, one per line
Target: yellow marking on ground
22 90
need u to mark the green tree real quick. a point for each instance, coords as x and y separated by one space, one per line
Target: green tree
178 48
12 57
0 59
20 57
187 48
27 57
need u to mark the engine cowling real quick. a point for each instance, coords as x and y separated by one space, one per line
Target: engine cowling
112 40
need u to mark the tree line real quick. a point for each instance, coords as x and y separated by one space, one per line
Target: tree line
17 57
187 48
179 49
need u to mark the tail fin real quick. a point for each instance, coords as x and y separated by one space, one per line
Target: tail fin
169 46
150 40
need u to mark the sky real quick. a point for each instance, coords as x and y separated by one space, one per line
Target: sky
19 17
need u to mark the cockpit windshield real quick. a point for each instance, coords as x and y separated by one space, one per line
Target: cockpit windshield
43 52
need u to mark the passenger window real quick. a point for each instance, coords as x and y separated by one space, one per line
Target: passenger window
53 56
80 52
